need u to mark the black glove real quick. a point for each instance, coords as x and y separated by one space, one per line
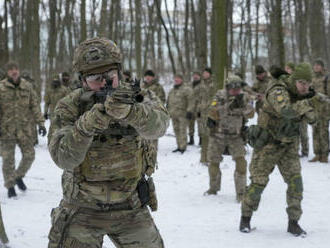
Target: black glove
211 123
199 114
42 131
310 93
189 115
46 116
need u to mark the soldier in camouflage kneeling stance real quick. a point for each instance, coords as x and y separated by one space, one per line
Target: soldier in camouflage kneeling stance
227 113
97 141
288 101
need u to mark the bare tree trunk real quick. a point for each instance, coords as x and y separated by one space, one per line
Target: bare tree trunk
256 53
277 51
14 14
83 25
131 34
138 42
35 46
316 29
202 28
159 13
220 61
186 37
103 19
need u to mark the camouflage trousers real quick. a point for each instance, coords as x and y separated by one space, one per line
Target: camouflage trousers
180 130
304 137
85 228
10 174
321 138
264 160
205 139
192 126
3 235
235 146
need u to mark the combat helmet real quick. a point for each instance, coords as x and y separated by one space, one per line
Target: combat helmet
233 81
96 55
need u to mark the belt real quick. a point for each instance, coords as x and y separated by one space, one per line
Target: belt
102 207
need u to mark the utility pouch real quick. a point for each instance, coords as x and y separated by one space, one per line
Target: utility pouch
143 191
61 218
153 202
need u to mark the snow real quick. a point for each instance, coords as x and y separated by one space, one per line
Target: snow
185 217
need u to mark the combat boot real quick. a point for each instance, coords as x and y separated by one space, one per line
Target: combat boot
177 150
295 229
191 140
21 185
210 192
11 192
244 225
315 159
324 159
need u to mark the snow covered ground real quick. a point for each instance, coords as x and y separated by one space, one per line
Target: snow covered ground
185 217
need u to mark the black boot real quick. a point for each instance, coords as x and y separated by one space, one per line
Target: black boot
200 141
295 229
20 184
182 151
191 140
11 192
244 225
176 150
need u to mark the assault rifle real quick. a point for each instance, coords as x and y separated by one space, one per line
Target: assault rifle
128 95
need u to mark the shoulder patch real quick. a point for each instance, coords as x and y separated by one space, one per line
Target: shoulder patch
214 102
280 98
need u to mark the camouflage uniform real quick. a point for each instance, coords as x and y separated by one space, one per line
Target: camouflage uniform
279 119
52 96
196 87
179 103
102 158
26 75
159 91
208 91
259 87
16 105
227 133
321 128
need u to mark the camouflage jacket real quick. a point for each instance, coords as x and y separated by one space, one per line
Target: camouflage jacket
319 83
17 103
196 88
259 86
207 92
104 169
229 121
156 88
180 101
52 96
283 111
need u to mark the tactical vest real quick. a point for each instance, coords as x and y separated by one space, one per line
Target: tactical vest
230 121
272 121
110 171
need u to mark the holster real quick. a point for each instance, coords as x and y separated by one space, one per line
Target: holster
143 191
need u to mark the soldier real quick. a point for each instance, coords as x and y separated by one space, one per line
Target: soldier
228 111
17 101
55 93
150 82
69 84
208 91
27 76
321 128
97 143
289 68
127 76
195 85
180 105
288 100
260 85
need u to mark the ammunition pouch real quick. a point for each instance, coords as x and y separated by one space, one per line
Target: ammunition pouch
257 136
